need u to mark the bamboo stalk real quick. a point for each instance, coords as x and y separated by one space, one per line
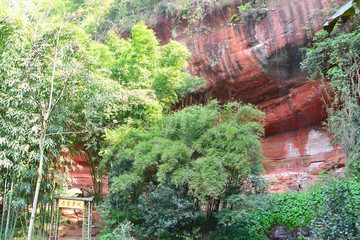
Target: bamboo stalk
41 209
22 225
3 210
46 221
9 208
58 217
14 217
44 218
14 225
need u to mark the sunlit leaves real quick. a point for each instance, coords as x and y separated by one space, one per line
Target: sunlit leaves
141 63
205 149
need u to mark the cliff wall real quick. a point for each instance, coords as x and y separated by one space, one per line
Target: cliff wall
259 62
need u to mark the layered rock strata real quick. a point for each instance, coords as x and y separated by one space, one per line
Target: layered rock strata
259 62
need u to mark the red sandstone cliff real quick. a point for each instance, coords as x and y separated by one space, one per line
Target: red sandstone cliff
260 63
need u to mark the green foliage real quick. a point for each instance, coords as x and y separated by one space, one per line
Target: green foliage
164 212
122 232
337 215
125 14
38 67
248 219
56 94
141 63
329 209
206 151
191 85
86 14
250 12
336 58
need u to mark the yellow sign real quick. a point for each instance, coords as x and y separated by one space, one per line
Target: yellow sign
76 204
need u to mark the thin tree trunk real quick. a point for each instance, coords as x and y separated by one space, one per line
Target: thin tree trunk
38 182
41 227
9 208
3 210
23 222
95 177
14 225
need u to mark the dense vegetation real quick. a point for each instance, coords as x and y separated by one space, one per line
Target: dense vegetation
336 58
329 209
59 91
195 159
70 85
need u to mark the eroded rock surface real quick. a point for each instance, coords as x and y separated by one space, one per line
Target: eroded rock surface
295 158
259 62
253 61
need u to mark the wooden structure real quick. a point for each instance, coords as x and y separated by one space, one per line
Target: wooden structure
59 202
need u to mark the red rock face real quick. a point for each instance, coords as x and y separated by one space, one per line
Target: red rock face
251 62
82 176
294 159
259 62
303 106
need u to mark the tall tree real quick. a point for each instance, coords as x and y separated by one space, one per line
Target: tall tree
209 152
141 63
45 74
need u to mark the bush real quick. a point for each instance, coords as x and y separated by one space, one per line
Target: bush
196 158
336 216
122 232
250 12
331 210
165 212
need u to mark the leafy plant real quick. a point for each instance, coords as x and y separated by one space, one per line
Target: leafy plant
346 12
337 217
336 58
141 63
122 232
329 210
164 212
208 151
250 12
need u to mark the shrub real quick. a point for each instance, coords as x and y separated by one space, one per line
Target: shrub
250 12
165 212
330 209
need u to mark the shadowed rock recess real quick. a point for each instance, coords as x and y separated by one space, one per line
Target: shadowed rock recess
259 62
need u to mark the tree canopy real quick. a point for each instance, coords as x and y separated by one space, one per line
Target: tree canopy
210 152
59 91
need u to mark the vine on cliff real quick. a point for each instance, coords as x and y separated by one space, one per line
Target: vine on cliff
122 15
250 12
336 58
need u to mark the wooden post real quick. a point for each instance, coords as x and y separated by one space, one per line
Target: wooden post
89 221
83 225
58 218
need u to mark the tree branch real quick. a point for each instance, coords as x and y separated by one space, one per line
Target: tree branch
60 95
88 131
52 80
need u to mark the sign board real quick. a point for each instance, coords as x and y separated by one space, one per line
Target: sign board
75 204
